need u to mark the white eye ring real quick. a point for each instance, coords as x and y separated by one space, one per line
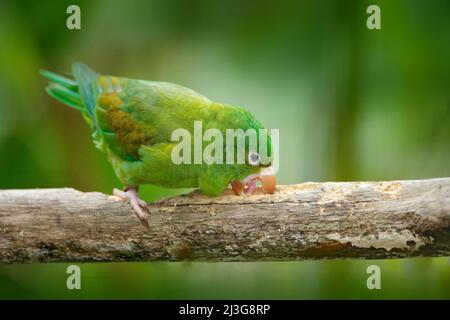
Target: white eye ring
254 158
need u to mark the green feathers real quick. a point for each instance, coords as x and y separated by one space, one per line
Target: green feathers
63 89
85 79
133 121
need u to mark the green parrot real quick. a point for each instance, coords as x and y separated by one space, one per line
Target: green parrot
133 123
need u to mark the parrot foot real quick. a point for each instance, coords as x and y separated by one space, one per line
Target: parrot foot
139 206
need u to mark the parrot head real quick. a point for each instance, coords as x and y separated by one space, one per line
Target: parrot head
249 184
258 163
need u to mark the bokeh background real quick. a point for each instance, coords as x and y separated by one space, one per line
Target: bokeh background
350 103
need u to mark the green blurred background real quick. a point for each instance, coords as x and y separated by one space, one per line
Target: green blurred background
350 103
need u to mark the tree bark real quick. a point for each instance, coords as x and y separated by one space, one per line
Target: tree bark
305 221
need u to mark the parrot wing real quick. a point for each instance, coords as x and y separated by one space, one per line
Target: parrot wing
127 114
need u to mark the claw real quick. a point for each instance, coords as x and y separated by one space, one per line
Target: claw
139 206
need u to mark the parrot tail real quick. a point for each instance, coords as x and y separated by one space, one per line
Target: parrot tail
63 89
76 93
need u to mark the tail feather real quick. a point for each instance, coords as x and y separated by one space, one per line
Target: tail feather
63 89
85 78
63 81
64 96
78 93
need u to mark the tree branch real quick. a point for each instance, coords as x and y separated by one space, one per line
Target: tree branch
304 221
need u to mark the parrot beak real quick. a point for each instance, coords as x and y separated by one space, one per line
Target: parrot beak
237 187
268 180
268 183
248 185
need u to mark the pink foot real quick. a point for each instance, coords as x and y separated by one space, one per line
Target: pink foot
139 206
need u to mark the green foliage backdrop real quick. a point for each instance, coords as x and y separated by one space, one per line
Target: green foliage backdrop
350 103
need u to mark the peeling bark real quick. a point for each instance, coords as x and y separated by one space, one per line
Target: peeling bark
303 221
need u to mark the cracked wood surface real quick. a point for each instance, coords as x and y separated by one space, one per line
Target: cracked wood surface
304 221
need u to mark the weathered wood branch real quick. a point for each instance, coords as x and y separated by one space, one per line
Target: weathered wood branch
304 221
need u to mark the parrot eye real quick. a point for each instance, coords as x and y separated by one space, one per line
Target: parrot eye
253 159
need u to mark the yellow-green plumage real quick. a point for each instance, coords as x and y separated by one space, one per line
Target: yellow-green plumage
132 123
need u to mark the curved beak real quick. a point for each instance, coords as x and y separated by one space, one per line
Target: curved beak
269 183
237 187
248 185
